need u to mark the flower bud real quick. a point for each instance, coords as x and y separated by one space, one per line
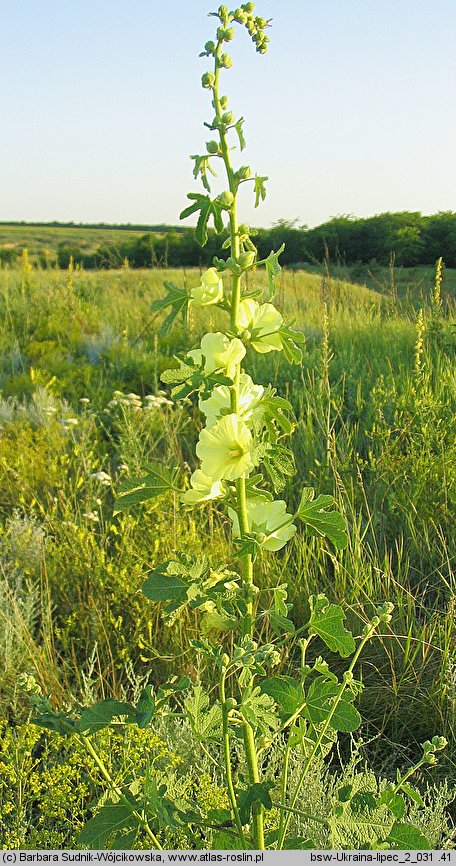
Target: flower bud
212 146
223 13
228 118
246 260
248 7
260 23
209 47
223 102
225 660
244 229
208 80
229 34
231 703
226 61
244 172
226 199
240 16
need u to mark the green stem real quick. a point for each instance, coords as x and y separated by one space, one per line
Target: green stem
118 791
246 561
284 786
409 773
322 733
227 757
302 813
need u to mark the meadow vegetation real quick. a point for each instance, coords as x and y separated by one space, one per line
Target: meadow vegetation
83 408
163 614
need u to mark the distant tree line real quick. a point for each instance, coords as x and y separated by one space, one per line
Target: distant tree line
411 238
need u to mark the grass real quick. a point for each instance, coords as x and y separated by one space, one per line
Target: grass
45 239
375 404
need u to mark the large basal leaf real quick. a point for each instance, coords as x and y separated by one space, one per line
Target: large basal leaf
320 521
286 692
406 837
112 818
159 481
360 823
100 716
327 620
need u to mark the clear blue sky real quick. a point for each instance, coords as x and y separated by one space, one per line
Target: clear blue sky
351 111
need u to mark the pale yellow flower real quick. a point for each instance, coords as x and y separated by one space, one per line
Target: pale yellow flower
225 449
202 489
262 323
210 291
269 521
219 352
249 401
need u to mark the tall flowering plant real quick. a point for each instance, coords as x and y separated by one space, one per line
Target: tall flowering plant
243 466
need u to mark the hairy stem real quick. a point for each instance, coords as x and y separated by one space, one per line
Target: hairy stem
246 561
227 757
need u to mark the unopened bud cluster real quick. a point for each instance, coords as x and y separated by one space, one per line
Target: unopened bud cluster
254 24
